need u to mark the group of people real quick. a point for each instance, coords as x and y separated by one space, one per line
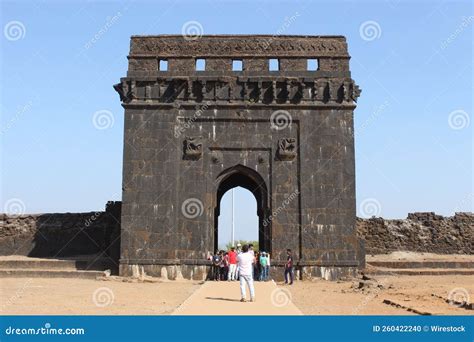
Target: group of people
224 264
244 264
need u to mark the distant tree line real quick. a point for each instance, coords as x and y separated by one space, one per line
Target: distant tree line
242 242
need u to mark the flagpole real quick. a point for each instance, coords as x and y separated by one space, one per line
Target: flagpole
232 231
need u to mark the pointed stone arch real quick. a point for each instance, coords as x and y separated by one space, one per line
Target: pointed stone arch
247 178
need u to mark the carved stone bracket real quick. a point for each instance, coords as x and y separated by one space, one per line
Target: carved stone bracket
192 148
355 92
286 149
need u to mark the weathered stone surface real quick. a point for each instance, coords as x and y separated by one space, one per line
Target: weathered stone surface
285 135
61 235
219 46
420 232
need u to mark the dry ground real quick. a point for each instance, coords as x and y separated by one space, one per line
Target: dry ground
62 296
76 296
321 297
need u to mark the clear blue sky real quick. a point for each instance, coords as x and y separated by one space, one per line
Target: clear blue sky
413 61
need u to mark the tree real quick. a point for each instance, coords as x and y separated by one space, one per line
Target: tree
242 242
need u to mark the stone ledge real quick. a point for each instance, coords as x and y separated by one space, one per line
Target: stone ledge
204 272
239 46
341 263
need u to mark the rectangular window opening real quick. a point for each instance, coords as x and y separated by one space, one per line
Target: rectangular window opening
274 64
163 65
200 64
237 65
312 65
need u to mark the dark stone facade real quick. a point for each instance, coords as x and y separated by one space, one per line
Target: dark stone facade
285 135
419 232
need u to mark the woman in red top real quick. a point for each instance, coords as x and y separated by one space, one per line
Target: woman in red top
232 264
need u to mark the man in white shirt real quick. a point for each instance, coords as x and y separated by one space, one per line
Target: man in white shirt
245 261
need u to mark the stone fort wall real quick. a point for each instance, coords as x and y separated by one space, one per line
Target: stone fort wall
69 234
419 232
62 235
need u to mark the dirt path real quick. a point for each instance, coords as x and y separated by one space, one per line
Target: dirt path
223 298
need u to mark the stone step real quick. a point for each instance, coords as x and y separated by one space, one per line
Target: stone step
422 264
57 264
49 273
420 271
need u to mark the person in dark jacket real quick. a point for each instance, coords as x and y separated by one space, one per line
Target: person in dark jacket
289 267
216 261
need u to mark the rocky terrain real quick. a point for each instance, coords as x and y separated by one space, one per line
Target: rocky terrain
419 232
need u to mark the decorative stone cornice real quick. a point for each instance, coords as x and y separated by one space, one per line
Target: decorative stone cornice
239 46
249 90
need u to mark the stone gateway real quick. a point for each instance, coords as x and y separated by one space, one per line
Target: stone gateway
205 115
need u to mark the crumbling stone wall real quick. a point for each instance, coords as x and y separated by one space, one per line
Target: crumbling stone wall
69 234
61 235
419 232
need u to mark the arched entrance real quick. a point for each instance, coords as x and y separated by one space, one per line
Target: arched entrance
238 219
249 179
